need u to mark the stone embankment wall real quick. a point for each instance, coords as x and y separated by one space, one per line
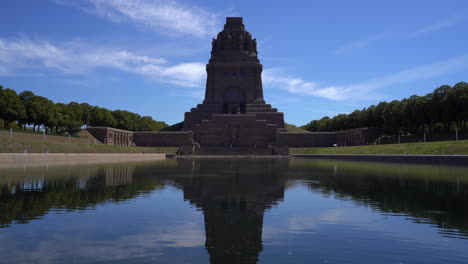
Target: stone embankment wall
163 139
358 136
353 137
119 137
247 135
112 136
305 140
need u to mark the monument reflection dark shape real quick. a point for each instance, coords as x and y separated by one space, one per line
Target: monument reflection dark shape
234 194
233 204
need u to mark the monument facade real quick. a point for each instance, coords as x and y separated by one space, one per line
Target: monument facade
234 112
234 117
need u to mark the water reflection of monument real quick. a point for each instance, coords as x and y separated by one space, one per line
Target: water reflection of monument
233 203
234 194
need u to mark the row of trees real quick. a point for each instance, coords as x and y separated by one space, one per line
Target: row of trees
445 109
28 110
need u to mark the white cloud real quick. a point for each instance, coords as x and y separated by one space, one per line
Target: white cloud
277 79
186 74
167 16
26 55
362 90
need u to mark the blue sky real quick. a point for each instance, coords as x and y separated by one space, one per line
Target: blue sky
148 56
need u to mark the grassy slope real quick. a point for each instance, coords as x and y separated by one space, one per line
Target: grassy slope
174 127
428 148
293 128
35 143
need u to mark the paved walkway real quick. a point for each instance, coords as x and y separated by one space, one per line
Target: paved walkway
41 159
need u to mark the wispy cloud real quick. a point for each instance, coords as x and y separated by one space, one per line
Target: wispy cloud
363 90
362 43
441 24
25 55
392 34
170 17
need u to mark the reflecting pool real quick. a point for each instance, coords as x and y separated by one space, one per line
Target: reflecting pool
257 210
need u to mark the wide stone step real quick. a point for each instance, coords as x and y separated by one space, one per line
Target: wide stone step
257 106
260 110
235 151
208 108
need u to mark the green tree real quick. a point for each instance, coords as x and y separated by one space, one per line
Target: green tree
11 106
86 111
102 117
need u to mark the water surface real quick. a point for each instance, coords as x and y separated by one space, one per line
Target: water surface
234 211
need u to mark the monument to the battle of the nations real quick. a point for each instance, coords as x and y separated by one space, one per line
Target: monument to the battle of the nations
233 118
234 113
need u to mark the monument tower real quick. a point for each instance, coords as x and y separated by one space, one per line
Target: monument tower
234 112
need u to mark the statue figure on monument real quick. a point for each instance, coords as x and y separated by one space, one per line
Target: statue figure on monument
213 45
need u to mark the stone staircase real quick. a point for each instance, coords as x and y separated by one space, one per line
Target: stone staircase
243 130
259 108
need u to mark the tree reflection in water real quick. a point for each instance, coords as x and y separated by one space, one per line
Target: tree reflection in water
234 194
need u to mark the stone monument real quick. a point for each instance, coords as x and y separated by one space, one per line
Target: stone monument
234 112
234 118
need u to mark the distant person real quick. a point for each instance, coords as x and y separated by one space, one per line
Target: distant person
47 151
25 151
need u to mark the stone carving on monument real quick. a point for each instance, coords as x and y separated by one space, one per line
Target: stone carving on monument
234 112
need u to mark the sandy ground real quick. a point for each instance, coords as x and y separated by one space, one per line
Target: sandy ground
35 159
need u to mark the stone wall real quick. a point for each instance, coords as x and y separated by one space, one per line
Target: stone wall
358 136
163 139
238 131
112 136
119 137
306 139
353 137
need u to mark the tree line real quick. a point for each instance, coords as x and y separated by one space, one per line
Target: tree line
443 110
30 111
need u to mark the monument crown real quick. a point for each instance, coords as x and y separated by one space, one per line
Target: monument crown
234 71
234 43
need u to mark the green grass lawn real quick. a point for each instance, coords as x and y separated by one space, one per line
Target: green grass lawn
428 148
34 143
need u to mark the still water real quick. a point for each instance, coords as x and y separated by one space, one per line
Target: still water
234 211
